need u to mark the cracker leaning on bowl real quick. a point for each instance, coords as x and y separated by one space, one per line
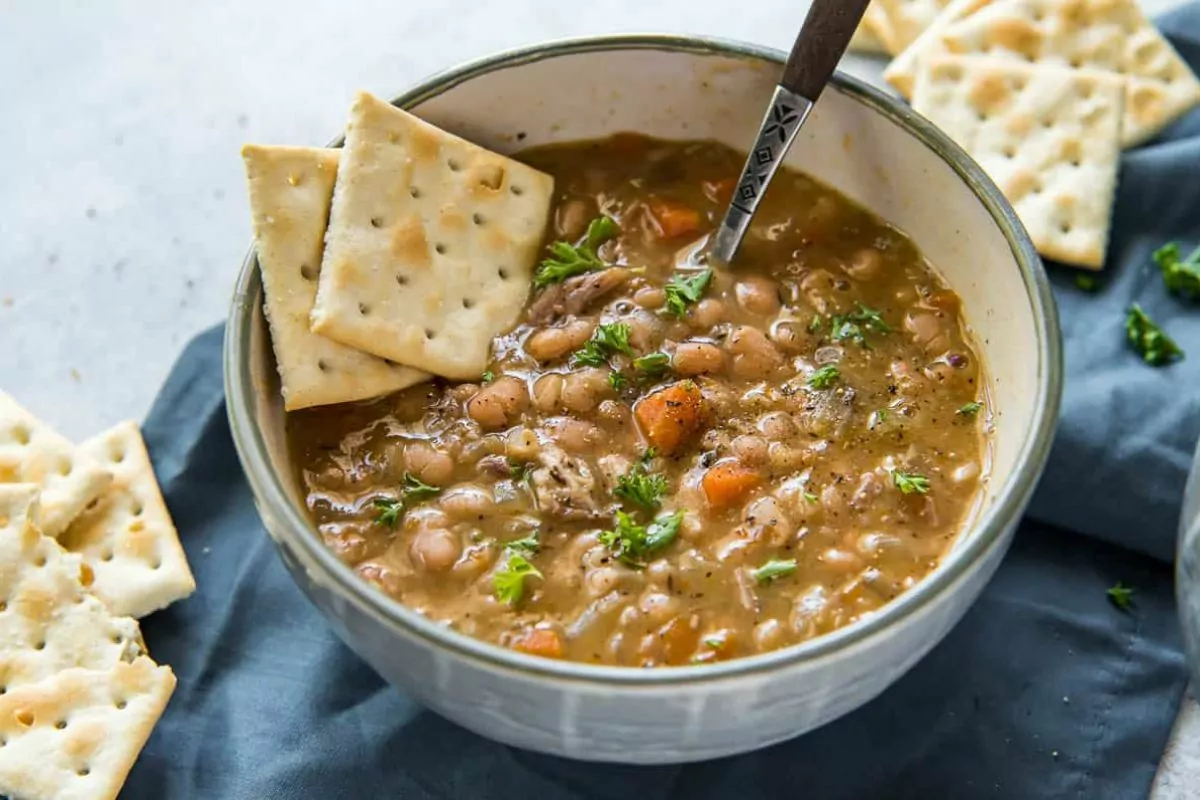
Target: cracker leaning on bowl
431 243
290 192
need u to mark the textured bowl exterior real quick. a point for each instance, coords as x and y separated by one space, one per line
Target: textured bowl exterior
868 147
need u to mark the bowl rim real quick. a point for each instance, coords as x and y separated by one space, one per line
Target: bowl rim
990 525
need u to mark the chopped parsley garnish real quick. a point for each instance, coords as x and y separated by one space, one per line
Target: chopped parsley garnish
389 511
1086 283
810 497
1155 347
774 569
633 543
519 470
1120 595
509 580
714 642
653 365
617 380
816 324
825 377
648 455
857 324
686 290
1180 275
641 488
412 491
489 376
606 340
910 483
526 544
969 409
567 260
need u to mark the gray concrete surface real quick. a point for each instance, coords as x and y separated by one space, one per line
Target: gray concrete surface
122 211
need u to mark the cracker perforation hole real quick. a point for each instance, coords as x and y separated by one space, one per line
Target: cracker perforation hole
478 219
322 365
364 309
21 434
468 302
503 273
402 280
39 645
307 272
517 190
61 725
25 717
440 249
83 772
64 467
117 456
376 222
3 606
137 508
39 560
116 638
156 563
120 705
414 192
106 555
1065 227
453 164
430 333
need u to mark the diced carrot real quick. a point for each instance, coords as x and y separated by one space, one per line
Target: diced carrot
728 481
671 416
542 642
720 191
674 219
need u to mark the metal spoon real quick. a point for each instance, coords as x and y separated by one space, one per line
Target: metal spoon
819 46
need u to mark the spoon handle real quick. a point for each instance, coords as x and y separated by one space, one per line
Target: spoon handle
822 40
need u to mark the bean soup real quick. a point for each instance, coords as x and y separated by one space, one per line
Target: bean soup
668 462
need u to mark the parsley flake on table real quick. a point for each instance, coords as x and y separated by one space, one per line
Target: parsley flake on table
509 580
488 377
825 377
1148 340
774 569
568 260
632 543
910 483
1180 275
1120 595
683 291
607 340
641 488
969 409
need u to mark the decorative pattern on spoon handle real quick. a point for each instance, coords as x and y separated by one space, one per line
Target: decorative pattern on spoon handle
782 121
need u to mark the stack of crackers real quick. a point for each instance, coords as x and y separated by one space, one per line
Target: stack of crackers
86 547
1044 94
397 257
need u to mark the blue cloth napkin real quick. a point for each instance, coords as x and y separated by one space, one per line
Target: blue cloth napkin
1043 691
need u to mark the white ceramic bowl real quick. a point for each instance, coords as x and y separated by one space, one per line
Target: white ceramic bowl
869 147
